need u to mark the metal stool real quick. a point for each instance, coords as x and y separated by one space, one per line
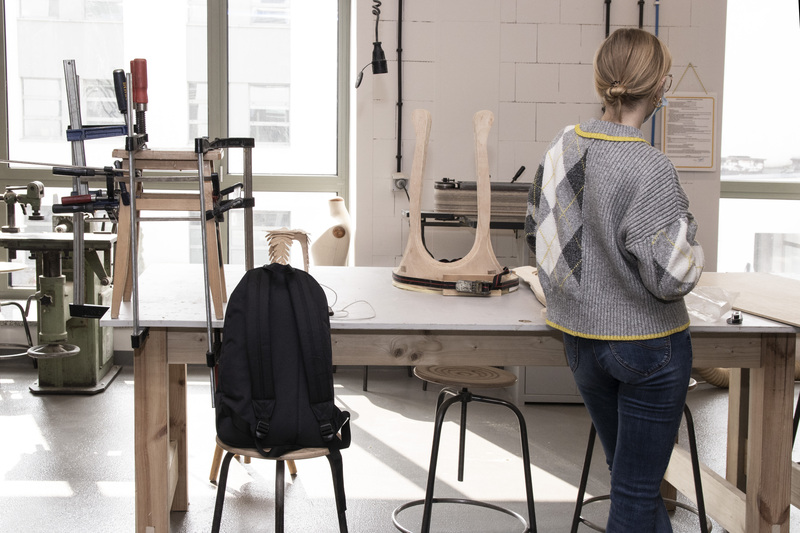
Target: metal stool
457 381
700 511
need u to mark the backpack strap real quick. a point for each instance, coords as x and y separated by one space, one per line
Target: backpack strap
261 375
313 326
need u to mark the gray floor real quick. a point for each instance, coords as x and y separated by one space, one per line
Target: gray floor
66 462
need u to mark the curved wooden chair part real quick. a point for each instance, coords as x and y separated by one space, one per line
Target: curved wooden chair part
480 264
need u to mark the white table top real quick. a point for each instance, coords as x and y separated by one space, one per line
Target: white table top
365 298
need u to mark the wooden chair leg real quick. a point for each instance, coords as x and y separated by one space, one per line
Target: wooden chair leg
292 467
215 462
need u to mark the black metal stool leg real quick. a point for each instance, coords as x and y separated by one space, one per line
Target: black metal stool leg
705 526
796 420
526 456
337 471
698 484
462 433
221 484
587 463
279 495
437 434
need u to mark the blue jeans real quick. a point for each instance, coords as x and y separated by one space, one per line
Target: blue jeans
635 392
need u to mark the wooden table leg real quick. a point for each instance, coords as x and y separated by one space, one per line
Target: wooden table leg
177 435
151 434
770 437
738 410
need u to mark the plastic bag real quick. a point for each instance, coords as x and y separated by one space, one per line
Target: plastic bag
709 303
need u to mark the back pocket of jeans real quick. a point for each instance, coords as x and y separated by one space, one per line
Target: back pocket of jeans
644 357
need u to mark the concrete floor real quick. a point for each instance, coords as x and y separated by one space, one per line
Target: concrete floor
66 462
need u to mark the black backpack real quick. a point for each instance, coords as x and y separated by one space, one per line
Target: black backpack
275 375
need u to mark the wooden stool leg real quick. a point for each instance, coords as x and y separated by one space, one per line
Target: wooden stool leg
215 462
292 467
122 259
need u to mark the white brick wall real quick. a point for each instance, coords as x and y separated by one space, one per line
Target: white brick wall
530 63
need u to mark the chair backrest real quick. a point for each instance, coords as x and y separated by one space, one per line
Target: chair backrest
280 245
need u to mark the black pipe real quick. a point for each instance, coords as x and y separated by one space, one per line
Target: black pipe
399 155
608 17
641 14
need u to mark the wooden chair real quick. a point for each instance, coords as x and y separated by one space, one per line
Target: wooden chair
279 243
337 471
155 201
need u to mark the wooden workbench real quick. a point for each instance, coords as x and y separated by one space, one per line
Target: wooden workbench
410 328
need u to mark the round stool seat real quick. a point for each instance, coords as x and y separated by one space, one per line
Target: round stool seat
480 377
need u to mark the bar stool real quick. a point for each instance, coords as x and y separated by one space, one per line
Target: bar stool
700 511
457 380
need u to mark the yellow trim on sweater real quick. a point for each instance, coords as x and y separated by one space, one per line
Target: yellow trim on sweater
617 337
605 137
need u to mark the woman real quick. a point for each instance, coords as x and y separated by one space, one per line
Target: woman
615 249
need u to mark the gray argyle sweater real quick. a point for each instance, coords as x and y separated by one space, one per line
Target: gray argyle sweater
613 238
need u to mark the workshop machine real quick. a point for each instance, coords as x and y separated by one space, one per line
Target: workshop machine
74 354
34 192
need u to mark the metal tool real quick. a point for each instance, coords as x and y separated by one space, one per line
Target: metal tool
133 143
201 146
139 77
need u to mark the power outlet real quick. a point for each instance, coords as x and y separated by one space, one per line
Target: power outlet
399 181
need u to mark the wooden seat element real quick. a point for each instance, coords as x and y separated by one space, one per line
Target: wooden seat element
151 201
480 264
477 377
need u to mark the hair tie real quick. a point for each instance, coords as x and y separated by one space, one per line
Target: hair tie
615 83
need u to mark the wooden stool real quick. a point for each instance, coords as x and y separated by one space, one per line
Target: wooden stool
705 523
150 201
457 380
337 471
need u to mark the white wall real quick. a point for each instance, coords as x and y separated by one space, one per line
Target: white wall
530 63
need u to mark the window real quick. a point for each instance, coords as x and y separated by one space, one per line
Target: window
105 10
274 12
760 169
98 102
41 109
274 70
198 109
269 113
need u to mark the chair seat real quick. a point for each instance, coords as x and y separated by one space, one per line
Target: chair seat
480 377
294 455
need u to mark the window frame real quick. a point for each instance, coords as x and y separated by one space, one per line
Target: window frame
217 92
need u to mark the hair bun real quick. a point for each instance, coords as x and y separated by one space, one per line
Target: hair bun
616 90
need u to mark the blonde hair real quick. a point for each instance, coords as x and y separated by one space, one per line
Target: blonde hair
629 66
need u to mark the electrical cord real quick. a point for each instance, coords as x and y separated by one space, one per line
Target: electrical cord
343 313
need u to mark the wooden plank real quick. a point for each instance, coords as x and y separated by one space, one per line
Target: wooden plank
178 440
724 503
796 484
173 469
769 472
122 258
738 411
403 349
151 435
718 350
168 155
761 294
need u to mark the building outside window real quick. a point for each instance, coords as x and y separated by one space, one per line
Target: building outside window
295 113
759 229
